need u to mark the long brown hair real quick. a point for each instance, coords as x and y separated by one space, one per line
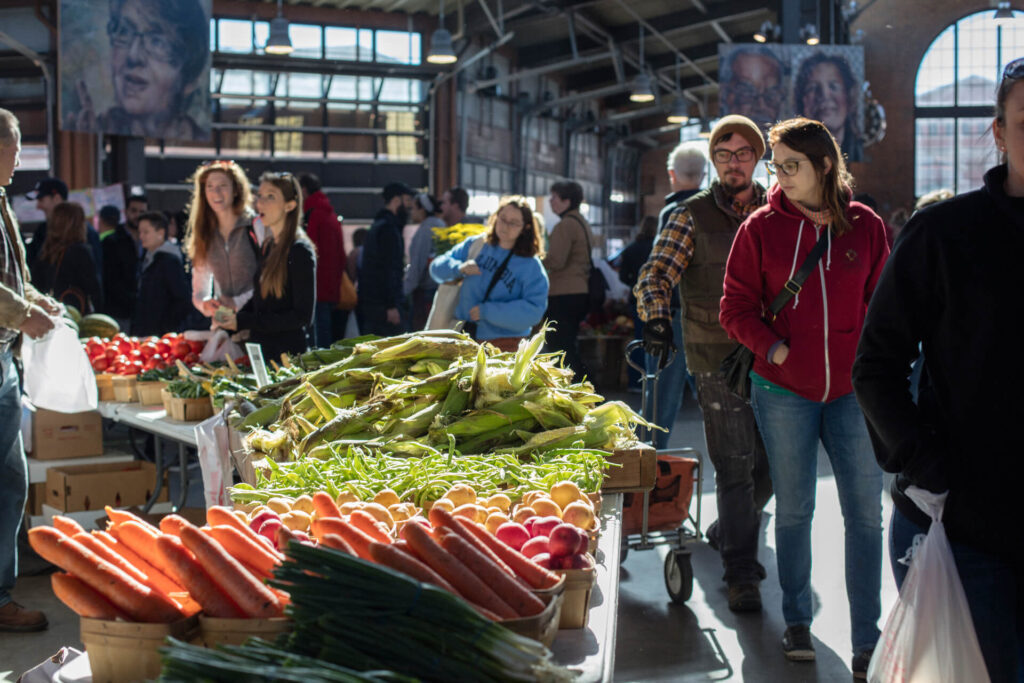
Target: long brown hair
65 228
274 273
528 243
814 139
202 221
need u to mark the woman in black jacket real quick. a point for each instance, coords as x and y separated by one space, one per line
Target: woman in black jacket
952 284
280 313
163 299
65 268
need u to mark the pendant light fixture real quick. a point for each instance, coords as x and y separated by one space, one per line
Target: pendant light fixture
642 91
679 113
441 49
810 34
1004 13
278 42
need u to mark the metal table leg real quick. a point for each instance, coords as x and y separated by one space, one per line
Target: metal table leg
158 459
182 476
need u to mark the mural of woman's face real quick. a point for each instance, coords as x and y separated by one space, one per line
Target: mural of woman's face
145 62
824 98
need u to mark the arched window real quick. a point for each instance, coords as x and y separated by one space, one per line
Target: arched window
954 97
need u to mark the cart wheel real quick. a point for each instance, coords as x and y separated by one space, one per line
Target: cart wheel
679 576
623 553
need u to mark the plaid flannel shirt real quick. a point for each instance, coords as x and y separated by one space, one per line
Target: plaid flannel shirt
673 251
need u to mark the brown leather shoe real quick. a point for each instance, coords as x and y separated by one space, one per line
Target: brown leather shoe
744 597
14 617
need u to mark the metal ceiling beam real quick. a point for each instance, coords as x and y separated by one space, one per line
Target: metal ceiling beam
580 97
660 36
690 18
592 57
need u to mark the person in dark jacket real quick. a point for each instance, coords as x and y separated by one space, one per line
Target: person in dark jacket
48 193
381 301
280 313
952 285
65 268
163 299
324 229
121 253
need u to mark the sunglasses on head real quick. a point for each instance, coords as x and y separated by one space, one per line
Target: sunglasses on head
224 163
1014 69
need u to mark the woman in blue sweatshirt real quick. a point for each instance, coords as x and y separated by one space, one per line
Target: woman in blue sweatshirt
505 289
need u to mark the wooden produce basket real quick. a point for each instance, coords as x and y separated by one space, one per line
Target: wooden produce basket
105 386
576 608
186 409
638 471
214 631
149 392
126 389
123 651
542 627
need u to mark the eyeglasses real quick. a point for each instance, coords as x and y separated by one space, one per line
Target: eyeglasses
1014 69
786 168
744 95
509 224
123 33
742 155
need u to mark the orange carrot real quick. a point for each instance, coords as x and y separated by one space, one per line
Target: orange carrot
171 524
191 574
94 544
246 549
338 543
358 540
440 517
454 572
157 578
531 572
139 538
83 600
255 599
325 505
188 605
392 557
67 525
525 603
118 516
369 525
138 601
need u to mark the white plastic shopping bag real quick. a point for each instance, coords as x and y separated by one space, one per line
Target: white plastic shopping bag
214 451
929 636
58 375
219 345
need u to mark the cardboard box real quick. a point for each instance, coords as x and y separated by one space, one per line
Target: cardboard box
638 471
89 487
36 498
66 435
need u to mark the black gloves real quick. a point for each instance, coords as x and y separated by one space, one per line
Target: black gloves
658 339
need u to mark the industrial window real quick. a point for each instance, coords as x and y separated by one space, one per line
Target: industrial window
954 96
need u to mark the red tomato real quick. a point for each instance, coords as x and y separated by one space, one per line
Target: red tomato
150 364
124 345
94 344
150 339
135 354
163 348
196 346
100 364
191 358
181 349
112 352
148 349
159 358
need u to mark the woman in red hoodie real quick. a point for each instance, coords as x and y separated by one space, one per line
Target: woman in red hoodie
801 389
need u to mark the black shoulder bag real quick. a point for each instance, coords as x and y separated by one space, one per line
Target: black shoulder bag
470 325
597 285
735 368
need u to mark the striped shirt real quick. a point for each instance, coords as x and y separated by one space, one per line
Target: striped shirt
673 251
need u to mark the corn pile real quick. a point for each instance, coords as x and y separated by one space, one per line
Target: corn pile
433 393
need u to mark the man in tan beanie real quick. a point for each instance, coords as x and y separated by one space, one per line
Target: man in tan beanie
691 251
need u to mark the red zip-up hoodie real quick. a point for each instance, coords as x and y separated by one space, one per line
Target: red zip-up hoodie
822 324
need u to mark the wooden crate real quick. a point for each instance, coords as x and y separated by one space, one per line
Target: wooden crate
126 389
214 631
542 627
638 471
124 652
186 409
105 386
149 392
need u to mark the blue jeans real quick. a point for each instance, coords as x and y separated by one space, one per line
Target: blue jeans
993 594
672 383
323 335
791 427
13 474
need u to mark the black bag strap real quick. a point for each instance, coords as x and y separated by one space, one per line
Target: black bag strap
496 276
796 283
586 236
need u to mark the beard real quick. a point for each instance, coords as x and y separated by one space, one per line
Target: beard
735 184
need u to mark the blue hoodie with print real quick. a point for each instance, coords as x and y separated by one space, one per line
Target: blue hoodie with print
516 303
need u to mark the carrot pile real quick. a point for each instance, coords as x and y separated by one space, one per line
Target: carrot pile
137 572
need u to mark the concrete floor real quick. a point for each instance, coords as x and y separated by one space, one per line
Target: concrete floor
657 640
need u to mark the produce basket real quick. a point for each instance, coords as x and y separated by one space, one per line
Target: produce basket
576 608
105 386
186 409
639 469
126 389
542 627
214 631
122 651
149 392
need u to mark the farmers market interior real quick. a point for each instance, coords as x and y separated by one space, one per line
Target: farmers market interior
505 340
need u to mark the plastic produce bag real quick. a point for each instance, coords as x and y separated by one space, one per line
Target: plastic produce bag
214 451
929 636
218 346
58 375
